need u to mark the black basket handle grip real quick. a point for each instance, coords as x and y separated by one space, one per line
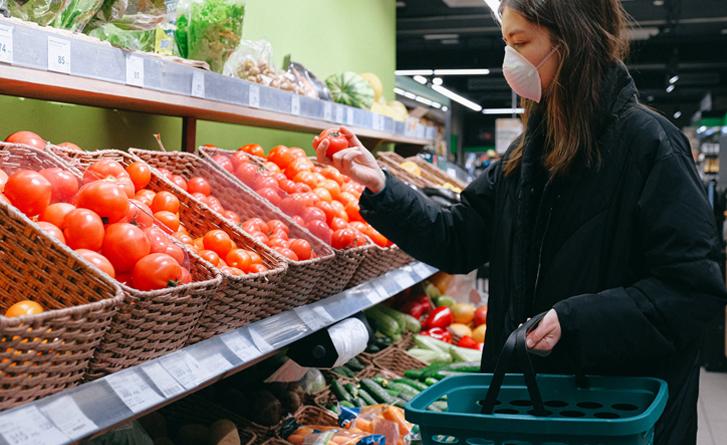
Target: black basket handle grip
515 344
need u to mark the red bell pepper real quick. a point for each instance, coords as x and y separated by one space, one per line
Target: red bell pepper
468 342
440 317
425 301
414 308
441 334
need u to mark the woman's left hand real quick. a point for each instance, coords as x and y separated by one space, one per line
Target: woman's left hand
544 338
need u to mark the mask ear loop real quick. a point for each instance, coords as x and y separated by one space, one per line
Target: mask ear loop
550 54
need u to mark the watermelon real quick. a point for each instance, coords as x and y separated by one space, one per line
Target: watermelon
351 89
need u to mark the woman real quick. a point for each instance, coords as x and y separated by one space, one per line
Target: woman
596 214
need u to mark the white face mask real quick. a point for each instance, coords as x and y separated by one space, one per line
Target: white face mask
523 76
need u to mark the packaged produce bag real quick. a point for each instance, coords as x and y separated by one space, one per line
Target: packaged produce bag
77 14
209 30
42 12
378 420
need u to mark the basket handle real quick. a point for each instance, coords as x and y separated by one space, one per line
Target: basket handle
515 344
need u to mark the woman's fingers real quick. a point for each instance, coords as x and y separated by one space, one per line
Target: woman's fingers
321 152
338 159
352 139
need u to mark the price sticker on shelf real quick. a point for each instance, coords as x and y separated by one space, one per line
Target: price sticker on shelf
349 116
379 294
161 378
260 343
339 115
134 70
6 44
215 365
404 280
422 270
315 317
327 111
133 391
295 105
185 369
28 426
254 96
378 122
198 84
240 346
59 55
68 417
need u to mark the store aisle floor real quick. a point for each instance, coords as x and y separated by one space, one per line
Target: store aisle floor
712 409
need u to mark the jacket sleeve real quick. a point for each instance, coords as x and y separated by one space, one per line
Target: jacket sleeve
683 289
455 239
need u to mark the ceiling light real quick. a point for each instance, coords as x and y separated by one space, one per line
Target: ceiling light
445 108
436 105
723 31
399 91
462 72
670 88
457 98
414 72
421 79
658 2
437 81
450 42
674 79
440 36
503 111
677 115
423 100
400 5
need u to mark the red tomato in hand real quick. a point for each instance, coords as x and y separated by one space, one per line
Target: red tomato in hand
219 242
199 185
27 138
302 248
343 238
157 271
124 244
336 141
83 229
64 184
56 213
140 174
106 198
97 260
165 201
29 191
52 230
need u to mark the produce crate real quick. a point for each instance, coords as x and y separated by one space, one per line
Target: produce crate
375 372
151 324
397 361
301 284
434 174
346 261
198 409
379 261
46 353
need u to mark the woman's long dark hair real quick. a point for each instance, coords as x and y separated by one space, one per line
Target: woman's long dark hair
590 35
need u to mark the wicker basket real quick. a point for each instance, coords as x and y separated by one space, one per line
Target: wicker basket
385 373
49 352
198 409
302 279
434 174
379 261
306 415
346 261
397 361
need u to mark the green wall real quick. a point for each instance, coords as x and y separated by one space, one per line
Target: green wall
327 36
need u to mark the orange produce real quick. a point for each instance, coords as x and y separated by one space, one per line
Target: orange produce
239 258
219 242
157 271
27 138
97 260
165 201
146 196
29 191
124 244
199 185
168 219
56 213
52 230
140 174
83 229
210 256
3 180
112 171
25 307
139 215
106 198
64 184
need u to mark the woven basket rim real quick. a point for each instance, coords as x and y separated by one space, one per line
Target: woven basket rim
251 194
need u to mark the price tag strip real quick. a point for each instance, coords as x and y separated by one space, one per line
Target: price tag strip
327 111
315 317
260 343
198 84
28 426
6 44
161 378
133 391
404 280
422 270
295 105
240 346
254 96
59 55
135 70
349 116
185 369
215 365
339 115
68 417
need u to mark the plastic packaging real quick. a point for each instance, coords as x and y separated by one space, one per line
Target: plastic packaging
42 12
209 30
325 435
77 14
311 86
380 420
134 40
252 60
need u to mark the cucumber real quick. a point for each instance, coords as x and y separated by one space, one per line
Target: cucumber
405 321
441 406
355 365
383 322
393 392
430 381
404 390
359 402
366 397
343 372
381 381
377 392
414 374
419 386
373 348
444 374
340 392
348 404
432 370
351 390
464 367
395 315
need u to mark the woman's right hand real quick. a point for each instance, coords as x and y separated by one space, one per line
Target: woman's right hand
355 162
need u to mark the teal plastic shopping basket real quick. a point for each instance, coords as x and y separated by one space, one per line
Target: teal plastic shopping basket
525 409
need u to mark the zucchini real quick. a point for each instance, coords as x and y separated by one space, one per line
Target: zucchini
441 406
355 365
414 374
351 390
444 374
430 381
383 322
377 392
373 348
404 390
348 404
419 386
340 392
464 367
381 381
366 397
405 321
359 402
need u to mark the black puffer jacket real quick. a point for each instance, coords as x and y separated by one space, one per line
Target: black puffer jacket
625 252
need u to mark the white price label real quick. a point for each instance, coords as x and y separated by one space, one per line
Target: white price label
215 365
404 280
185 369
161 378
59 55
379 294
295 105
198 84
68 417
315 317
133 391
349 116
254 96
421 269
327 111
134 70
240 346
6 44
260 343
28 426
339 115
